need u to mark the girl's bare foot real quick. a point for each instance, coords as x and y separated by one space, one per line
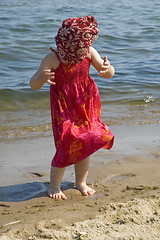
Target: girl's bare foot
85 190
54 188
55 192
81 171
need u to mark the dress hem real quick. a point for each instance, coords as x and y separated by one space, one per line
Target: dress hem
110 143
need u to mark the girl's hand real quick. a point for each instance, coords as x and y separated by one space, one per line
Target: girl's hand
49 76
104 68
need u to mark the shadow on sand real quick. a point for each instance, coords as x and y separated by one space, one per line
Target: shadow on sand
26 191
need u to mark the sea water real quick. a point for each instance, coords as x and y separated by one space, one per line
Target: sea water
129 36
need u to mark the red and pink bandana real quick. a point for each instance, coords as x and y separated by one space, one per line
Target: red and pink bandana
75 37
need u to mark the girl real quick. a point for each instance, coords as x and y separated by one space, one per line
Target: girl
75 102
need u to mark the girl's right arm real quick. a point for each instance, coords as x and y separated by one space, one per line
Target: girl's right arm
44 73
104 67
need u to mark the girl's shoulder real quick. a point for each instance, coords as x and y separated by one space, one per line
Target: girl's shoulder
92 51
51 60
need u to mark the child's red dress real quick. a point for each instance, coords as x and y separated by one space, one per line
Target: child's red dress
76 115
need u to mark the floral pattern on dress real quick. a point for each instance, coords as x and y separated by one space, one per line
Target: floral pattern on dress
76 115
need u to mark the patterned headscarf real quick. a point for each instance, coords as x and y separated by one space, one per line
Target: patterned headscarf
75 37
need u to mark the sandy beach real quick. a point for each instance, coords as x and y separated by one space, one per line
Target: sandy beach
126 204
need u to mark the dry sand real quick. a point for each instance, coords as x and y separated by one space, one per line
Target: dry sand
126 205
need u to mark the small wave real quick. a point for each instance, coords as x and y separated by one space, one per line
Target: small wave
15 100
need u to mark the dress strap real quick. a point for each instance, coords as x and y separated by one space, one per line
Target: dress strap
55 53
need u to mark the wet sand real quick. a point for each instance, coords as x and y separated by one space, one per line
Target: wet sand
126 204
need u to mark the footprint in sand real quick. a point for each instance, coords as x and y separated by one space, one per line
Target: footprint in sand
34 174
120 177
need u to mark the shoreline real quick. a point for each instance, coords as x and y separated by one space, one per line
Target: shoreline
128 182
27 159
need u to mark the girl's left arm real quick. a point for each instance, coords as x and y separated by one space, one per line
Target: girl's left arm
104 67
44 74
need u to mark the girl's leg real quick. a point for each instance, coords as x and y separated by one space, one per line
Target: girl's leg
54 188
81 172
